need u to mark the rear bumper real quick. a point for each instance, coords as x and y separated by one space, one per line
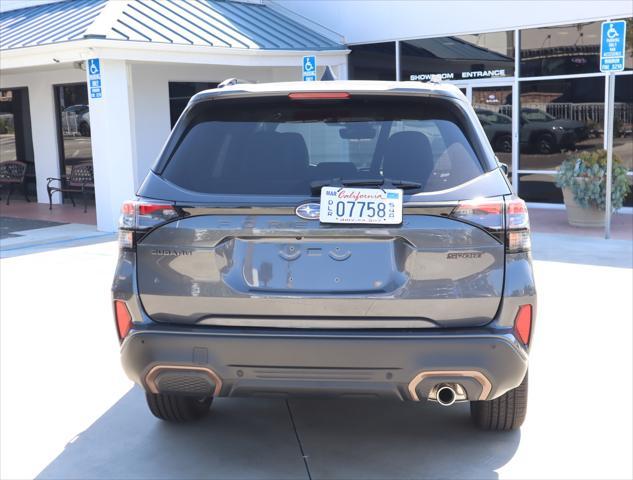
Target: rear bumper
486 362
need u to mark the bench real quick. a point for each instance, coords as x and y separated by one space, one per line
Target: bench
13 173
80 180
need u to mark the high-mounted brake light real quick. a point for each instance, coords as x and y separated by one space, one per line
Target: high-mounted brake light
318 95
523 323
123 319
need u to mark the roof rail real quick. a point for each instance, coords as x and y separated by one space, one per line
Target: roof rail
232 81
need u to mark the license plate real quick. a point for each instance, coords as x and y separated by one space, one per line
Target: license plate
361 205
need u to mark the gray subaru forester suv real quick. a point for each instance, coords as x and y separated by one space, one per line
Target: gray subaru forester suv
338 238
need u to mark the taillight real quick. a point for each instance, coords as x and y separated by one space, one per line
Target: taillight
318 95
123 319
493 214
151 210
523 323
126 239
485 212
517 226
139 216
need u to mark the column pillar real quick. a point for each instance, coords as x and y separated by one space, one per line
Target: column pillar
44 134
112 143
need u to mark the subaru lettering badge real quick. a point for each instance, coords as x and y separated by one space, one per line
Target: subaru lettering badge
308 211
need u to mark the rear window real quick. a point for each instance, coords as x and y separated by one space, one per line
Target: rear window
281 146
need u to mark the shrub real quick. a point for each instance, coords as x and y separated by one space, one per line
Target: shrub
585 174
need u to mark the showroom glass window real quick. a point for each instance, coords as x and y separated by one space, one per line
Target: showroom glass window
560 50
73 115
557 118
8 147
623 125
373 61
179 95
462 57
623 111
628 56
493 106
15 131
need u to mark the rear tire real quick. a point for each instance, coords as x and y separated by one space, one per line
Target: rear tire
504 413
176 408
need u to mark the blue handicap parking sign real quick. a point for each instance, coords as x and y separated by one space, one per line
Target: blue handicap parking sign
612 46
94 67
309 68
94 78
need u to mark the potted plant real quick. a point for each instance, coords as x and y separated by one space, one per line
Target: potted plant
583 178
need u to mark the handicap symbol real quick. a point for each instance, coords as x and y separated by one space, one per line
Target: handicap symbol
612 32
308 67
94 69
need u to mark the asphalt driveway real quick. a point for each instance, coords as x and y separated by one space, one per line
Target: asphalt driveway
67 410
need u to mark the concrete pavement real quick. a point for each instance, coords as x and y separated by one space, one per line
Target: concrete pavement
19 236
68 411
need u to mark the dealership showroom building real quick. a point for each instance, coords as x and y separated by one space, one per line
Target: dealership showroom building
530 65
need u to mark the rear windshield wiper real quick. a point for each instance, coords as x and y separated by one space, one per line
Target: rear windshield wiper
364 182
382 182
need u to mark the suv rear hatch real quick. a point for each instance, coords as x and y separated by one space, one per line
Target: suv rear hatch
219 240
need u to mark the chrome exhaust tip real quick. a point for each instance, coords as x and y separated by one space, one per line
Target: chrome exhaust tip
442 376
445 395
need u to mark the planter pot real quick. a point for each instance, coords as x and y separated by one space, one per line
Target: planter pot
579 216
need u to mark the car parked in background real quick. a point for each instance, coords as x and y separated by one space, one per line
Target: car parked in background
540 132
546 134
76 120
337 238
498 128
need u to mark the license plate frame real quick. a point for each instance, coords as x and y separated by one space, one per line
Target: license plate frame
360 205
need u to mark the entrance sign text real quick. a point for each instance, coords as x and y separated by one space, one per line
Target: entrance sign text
456 76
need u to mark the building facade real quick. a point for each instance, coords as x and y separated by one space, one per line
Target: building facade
152 57
530 69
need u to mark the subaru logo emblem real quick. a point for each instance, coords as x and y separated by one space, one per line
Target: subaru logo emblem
308 211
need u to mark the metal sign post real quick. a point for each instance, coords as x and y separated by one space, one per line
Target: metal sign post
609 133
611 60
